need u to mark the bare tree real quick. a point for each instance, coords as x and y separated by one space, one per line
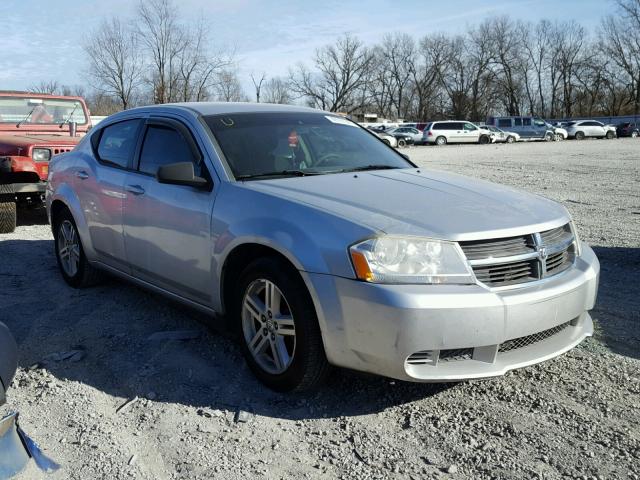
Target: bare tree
276 90
115 64
620 41
257 84
49 87
228 88
342 73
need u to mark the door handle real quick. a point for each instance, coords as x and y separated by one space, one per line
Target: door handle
82 175
135 189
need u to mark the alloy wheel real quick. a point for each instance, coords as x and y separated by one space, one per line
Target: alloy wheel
68 248
268 326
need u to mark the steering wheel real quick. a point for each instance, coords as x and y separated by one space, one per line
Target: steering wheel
326 159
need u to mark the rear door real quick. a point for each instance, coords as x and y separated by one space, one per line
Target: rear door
167 228
100 189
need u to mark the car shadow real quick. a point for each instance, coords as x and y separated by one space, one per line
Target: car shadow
27 216
111 324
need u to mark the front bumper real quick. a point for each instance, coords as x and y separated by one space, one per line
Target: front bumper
439 333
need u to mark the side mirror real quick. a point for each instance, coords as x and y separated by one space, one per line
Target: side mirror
181 173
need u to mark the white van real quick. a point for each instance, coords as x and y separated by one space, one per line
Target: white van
455 131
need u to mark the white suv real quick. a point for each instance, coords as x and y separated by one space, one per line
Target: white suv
455 131
590 128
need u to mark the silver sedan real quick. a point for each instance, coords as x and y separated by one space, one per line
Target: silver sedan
321 245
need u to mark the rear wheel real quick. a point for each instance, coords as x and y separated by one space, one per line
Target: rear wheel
281 338
441 140
610 135
579 135
73 263
8 215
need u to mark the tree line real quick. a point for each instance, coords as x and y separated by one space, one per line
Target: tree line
500 66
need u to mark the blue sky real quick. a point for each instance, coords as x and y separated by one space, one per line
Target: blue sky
42 40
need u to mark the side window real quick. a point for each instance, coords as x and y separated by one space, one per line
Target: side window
117 142
517 122
162 146
438 126
539 123
526 122
469 127
504 122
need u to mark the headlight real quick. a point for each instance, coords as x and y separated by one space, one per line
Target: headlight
41 154
391 259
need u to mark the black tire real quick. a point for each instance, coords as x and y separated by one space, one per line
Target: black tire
610 135
8 216
441 140
86 275
402 143
484 140
309 366
579 135
548 137
511 139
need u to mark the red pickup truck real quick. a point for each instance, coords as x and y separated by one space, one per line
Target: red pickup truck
33 129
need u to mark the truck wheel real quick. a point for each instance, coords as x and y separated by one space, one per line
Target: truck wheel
579 135
73 263
548 137
609 135
280 335
7 209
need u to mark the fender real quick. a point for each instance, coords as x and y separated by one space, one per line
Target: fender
64 193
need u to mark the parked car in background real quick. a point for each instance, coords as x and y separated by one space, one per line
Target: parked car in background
321 245
33 129
529 128
628 129
387 138
455 131
412 132
500 136
582 129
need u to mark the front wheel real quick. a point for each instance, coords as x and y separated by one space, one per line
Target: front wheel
634 134
484 140
610 135
548 137
402 143
511 139
281 338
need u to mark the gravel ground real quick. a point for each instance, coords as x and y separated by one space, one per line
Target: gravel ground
198 413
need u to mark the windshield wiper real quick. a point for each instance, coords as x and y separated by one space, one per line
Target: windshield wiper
75 107
25 118
369 167
281 173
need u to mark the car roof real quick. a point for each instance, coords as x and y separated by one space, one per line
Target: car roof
221 108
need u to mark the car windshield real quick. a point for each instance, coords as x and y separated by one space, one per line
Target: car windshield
27 110
283 144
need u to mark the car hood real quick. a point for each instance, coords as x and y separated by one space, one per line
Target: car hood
421 202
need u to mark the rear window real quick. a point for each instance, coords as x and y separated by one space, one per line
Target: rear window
117 142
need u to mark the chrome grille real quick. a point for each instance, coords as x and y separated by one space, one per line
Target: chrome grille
514 260
522 342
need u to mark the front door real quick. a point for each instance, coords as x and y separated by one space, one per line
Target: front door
471 133
167 228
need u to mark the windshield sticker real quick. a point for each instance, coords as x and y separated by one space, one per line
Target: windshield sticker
339 120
